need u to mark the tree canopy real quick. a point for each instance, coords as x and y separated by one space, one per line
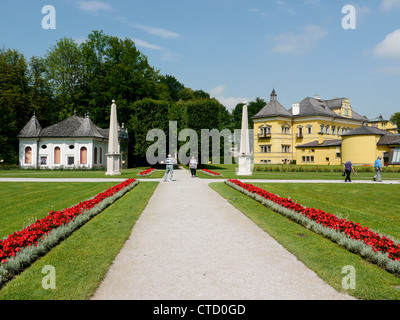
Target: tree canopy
84 79
395 118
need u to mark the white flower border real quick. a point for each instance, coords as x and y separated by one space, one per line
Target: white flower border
147 174
355 246
210 174
26 256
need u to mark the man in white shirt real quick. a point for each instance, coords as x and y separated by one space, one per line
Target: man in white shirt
193 166
378 169
169 168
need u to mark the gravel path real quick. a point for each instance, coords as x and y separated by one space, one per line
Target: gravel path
191 244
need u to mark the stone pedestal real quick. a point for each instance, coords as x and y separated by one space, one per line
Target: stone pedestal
244 166
113 164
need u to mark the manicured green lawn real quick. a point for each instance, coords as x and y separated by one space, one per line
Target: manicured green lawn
125 173
228 171
283 172
326 258
22 203
376 206
82 260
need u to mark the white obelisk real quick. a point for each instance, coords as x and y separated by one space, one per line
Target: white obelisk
244 154
113 155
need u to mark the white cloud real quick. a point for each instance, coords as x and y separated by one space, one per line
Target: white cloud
389 48
94 6
165 54
389 70
388 5
217 91
171 56
80 40
144 44
259 12
298 43
229 102
160 32
287 8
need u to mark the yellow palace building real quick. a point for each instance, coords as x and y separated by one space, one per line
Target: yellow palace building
323 132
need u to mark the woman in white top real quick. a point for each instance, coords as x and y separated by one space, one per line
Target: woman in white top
193 166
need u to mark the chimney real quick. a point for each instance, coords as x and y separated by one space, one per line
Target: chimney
295 109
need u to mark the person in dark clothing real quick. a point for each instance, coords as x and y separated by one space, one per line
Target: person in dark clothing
347 169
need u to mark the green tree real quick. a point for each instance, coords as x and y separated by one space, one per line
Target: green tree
115 70
173 85
253 107
186 94
14 102
40 93
206 114
65 72
145 115
395 118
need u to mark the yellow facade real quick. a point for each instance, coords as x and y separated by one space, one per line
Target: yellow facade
383 124
314 131
279 144
273 141
319 155
361 150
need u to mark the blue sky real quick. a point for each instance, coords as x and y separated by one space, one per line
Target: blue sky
238 50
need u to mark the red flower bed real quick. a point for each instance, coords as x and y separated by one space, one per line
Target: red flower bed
350 228
211 172
146 172
32 234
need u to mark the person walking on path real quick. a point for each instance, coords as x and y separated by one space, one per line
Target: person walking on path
193 166
169 168
378 170
347 169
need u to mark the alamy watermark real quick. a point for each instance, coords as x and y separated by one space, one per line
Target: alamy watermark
49 281
49 20
349 281
157 152
349 21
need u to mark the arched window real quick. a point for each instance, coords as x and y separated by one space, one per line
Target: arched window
83 157
57 155
28 155
95 155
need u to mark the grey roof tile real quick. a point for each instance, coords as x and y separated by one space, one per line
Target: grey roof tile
314 107
72 127
272 109
387 140
31 130
364 130
325 143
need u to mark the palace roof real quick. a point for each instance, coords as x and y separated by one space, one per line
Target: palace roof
325 143
308 107
387 140
72 127
364 130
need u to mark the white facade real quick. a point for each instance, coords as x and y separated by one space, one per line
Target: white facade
62 153
67 152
